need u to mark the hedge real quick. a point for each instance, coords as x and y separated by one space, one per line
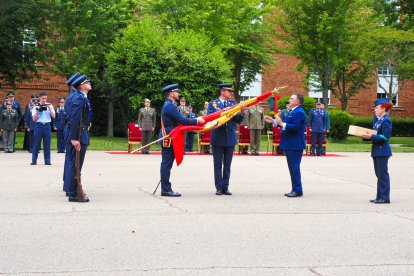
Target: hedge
400 126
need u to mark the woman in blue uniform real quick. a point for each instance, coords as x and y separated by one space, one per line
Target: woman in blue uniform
381 150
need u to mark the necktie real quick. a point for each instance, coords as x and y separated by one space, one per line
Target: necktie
225 103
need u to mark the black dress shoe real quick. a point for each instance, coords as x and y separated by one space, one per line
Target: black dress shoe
48 164
372 200
294 194
219 192
382 201
226 192
172 194
77 199
33 163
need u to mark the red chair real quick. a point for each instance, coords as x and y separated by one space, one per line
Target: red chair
309 142
244 137
134 135
203 141
275 141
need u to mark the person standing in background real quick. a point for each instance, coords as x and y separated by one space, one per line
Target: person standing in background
8 125
59 124
146 122
255 122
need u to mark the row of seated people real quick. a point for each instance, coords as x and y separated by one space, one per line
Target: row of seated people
273 139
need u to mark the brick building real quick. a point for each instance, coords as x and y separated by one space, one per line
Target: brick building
284 73
53 85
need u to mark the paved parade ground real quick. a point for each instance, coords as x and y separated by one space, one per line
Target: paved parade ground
125 230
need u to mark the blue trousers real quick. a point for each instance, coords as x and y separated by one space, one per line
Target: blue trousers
294 157
222 157
189 141
383 182
42 131
60 142
317 137
165 170
70 172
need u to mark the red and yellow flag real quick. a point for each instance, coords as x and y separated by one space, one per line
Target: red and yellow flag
212 121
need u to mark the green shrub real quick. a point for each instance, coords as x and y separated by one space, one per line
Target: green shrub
340 121
403 127
307 105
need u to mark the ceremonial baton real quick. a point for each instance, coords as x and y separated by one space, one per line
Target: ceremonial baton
152 143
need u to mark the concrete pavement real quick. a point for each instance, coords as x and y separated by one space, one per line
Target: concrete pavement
124 230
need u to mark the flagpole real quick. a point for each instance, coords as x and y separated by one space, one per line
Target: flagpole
149 144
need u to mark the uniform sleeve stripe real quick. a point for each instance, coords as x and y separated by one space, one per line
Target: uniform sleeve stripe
383 137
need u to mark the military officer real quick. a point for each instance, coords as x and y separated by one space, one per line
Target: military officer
170 118
58 125
189 139
29 124
381 150
8 125
204 111
146 123
16 106
67 108
317 127
79 120
224 139
255 122
184 108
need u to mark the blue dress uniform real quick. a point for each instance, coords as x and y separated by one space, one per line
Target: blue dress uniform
317 123
59 124
293 143
42 131
381 152
171 118
67 108
223 140
29 123
79 106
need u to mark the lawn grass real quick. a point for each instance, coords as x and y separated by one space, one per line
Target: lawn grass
352 144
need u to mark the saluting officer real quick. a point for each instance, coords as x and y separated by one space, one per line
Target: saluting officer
8 125
59 124
80 118
223 139
255 122
146 122
170 118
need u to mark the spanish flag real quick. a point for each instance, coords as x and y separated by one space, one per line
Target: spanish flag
212 121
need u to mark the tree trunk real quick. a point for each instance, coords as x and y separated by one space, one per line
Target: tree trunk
110 125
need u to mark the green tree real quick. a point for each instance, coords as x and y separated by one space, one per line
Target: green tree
148 57
21 25
80 34
393 49
318 33
241 27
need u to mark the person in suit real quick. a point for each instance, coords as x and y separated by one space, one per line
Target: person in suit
293 141
42 115
381 150
79 120
224 138
170 118
59 124
317 127
255 122
146 123
8 125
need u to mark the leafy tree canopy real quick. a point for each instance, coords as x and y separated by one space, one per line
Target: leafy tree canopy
148 56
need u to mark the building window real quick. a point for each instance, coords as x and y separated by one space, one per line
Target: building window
383 84
315 88
29 44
